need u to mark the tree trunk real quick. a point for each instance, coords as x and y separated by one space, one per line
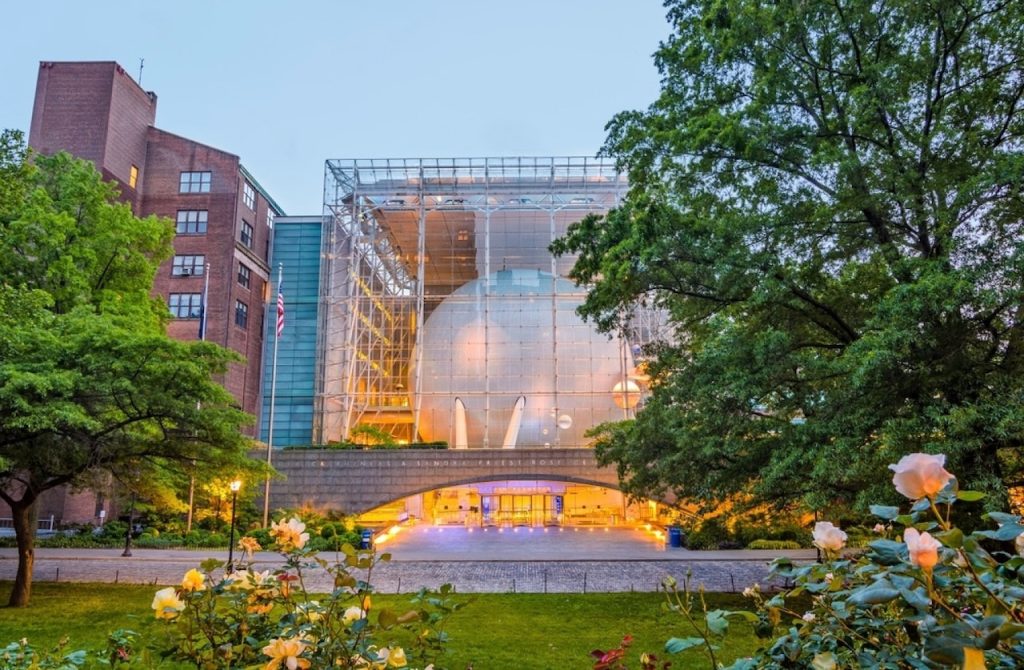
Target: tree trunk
25 533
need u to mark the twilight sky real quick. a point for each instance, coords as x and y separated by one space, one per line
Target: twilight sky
286 85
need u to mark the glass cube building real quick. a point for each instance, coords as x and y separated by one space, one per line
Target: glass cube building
441 314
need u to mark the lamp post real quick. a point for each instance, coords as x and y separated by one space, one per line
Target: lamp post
235 485
131 523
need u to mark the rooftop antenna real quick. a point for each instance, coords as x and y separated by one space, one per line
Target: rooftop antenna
141 63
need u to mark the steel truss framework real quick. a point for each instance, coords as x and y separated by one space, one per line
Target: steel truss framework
403 236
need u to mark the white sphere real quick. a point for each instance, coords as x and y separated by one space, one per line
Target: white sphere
516 334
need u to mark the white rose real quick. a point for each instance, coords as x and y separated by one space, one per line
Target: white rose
827 537
920 475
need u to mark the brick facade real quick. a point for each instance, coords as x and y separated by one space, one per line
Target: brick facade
222 246
96 111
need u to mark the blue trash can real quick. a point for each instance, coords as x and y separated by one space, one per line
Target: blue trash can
675 538
366 540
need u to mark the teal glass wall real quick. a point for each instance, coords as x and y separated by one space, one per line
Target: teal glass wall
297 246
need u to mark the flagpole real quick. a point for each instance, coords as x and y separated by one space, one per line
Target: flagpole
273 396
202 336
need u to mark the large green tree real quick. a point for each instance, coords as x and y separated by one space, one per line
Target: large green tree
826 202
89 381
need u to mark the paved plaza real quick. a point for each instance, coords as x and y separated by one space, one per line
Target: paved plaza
570 561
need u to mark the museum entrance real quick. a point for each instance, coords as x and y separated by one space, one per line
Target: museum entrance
517 503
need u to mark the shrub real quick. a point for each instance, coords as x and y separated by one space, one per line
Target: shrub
773 544
711 535
249 619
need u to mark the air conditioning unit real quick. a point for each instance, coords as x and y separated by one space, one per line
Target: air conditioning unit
185 272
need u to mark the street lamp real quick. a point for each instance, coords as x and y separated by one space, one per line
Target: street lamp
131 523
235 485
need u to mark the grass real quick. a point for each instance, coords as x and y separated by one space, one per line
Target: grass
493 631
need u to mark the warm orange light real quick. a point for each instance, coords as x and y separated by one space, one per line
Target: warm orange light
235 485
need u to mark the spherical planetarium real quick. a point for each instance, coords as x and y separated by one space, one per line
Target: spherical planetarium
507 362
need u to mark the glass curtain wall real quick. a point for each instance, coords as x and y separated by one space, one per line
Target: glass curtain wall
444 317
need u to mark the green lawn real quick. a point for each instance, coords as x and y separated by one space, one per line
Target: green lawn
493 631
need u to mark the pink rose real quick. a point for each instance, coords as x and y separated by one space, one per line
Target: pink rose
923 548
920 475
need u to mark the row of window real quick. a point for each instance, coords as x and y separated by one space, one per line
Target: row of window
195 222
193 265
199 182
190 306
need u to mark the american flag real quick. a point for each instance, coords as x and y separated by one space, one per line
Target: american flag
280 313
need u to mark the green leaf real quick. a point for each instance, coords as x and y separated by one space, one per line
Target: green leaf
952 538
875 594
887 552
210 564
916 598
970 496
678 644
717 621
386 618
885 512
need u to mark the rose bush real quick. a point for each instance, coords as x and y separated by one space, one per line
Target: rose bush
268 619
938 598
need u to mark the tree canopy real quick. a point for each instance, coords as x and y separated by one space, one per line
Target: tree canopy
825 200
89 381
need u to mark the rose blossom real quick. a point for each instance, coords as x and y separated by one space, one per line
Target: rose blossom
167 604
827 537
193 581
289 534
923 548
920 475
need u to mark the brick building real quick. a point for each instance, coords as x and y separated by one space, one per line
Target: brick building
223 217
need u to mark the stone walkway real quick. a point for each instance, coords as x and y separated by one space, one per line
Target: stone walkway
715 571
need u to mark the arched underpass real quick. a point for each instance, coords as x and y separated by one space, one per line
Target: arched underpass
357 481
527 490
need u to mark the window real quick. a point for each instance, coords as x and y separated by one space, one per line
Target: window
241 314
192 221
185 305
188 266
249 196
244 274
246 234
133 176
194 182
270 218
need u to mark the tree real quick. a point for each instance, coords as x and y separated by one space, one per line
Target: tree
89 381
826 202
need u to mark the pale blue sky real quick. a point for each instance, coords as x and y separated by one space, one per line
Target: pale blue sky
286 85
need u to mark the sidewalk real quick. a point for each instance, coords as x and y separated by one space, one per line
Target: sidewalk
413 568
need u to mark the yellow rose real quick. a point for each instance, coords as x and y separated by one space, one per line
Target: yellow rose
193 581
285 652
396 658
167 604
